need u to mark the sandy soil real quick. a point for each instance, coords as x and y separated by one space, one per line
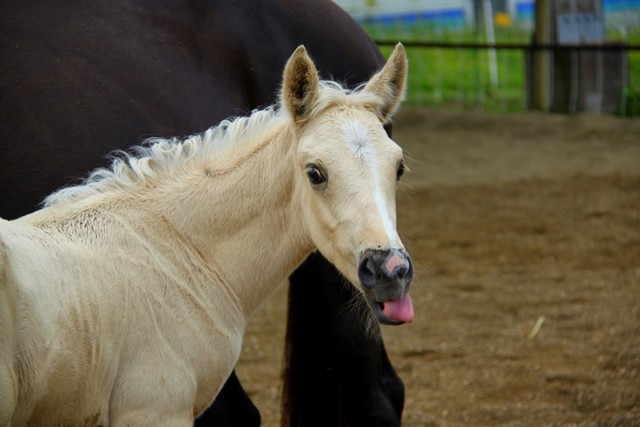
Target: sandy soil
525 231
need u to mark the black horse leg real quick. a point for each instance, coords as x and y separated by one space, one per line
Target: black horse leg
338 375
232 408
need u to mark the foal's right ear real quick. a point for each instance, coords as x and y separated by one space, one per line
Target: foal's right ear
300 85
390 84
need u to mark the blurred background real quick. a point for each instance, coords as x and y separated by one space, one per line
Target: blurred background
514 55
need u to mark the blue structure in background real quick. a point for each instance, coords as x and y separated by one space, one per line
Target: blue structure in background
524 10
443 18
620 5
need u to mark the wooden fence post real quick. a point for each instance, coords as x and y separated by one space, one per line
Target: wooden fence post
540 96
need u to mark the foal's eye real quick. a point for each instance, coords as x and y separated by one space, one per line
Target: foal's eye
400 170
315 175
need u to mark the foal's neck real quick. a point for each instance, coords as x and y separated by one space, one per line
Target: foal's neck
242 217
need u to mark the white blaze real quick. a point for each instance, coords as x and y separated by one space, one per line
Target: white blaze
358 140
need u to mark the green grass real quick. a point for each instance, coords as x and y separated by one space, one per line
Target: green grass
459 78
632 94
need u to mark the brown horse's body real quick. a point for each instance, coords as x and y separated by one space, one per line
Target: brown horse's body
80 79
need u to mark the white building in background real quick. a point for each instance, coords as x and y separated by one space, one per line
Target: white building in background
624 13
409 10
460 12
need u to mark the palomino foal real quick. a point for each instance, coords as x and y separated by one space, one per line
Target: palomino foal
124 301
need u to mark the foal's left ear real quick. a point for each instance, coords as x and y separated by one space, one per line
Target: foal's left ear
390 83
300 85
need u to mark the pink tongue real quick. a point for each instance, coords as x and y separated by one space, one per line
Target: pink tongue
401 310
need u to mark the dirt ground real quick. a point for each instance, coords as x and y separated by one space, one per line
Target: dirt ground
525 232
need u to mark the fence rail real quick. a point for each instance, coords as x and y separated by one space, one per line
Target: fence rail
612 46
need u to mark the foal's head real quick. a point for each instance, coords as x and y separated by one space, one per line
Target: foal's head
347 171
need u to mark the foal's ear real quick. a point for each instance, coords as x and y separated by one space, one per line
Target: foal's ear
300 85
390 83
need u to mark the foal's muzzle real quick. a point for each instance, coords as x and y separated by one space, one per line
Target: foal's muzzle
385 276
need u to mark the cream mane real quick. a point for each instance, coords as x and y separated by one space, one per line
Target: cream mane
161 157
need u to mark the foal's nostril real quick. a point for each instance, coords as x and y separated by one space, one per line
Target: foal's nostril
402 271
405 272
398 266
367 271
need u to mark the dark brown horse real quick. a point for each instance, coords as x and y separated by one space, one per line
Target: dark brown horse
83 78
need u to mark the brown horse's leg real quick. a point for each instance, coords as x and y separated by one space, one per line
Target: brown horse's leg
338 374
232 408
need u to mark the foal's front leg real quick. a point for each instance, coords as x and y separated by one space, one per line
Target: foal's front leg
149 393
143 418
